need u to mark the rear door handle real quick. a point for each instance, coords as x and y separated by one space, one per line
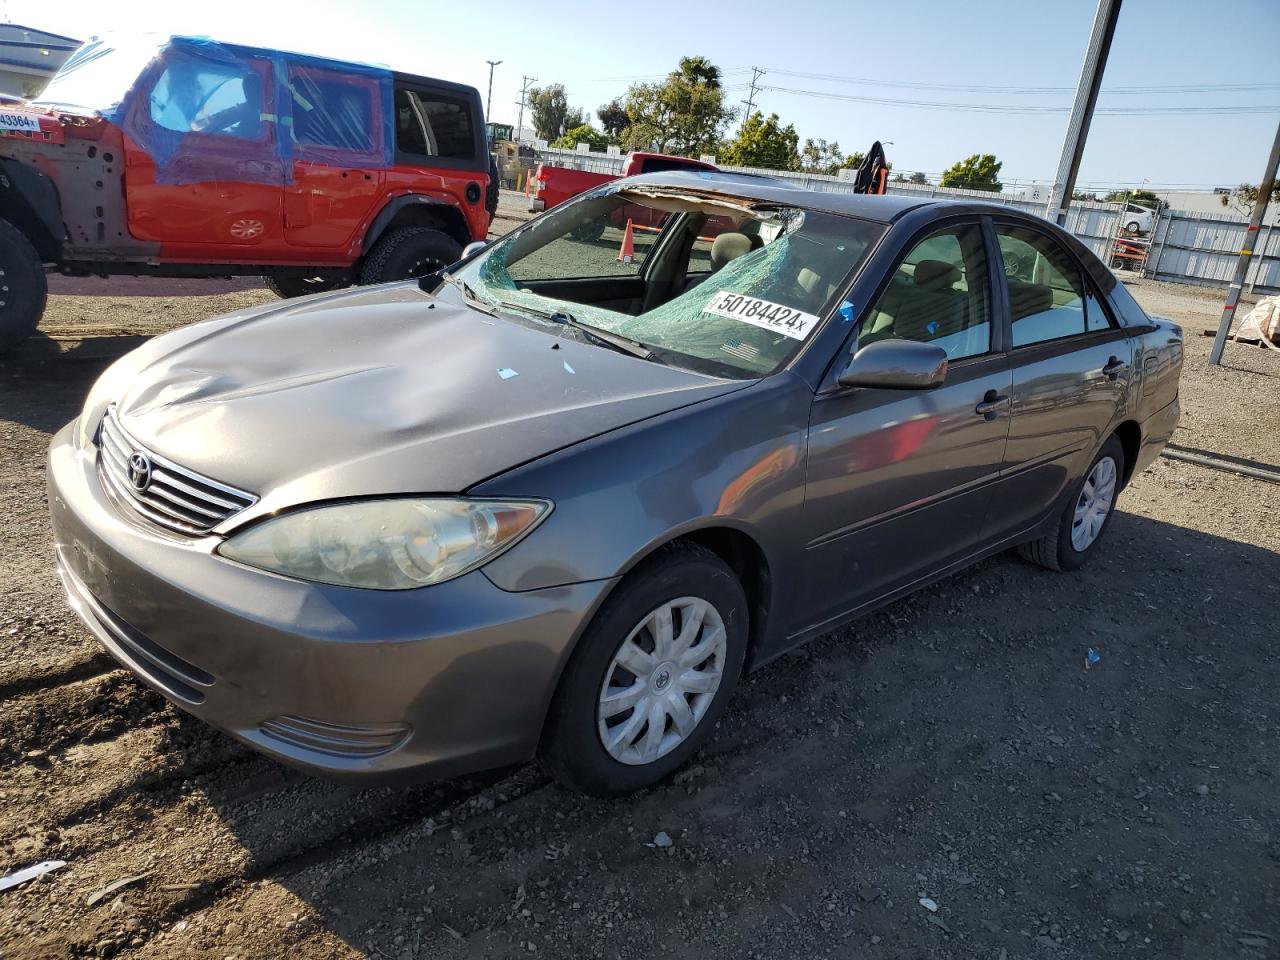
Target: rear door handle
991 405
1114 368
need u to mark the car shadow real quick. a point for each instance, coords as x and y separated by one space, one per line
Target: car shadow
958 742
43 382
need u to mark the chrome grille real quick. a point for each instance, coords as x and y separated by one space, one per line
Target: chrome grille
174 497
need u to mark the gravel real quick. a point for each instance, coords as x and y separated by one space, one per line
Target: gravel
952 750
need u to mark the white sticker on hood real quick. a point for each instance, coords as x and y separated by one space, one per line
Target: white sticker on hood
19 121
788 321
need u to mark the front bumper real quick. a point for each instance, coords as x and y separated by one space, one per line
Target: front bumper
348 683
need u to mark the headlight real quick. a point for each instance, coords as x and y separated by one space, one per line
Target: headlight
386 544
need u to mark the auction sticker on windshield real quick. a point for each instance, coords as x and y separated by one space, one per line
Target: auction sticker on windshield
24 122
761 313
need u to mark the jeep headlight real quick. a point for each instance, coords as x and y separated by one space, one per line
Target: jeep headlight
393 544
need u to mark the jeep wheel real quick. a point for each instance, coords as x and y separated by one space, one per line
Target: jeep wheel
407 253
23 287
287 282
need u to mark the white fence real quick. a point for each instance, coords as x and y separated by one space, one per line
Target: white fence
1197 248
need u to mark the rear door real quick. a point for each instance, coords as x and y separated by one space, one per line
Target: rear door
900 481
1071 373
340 140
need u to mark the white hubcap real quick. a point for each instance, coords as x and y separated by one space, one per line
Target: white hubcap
1096 498
661 681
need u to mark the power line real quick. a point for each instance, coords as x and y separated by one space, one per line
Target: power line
524 96
1021 89
1009 108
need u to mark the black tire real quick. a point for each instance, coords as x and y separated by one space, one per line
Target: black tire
1056 551
409 252
24 288
571 749
1132 226
288 282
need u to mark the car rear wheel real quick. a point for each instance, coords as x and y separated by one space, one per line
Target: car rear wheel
1132 226
24 288
651 675
1087 514
407 253
287 283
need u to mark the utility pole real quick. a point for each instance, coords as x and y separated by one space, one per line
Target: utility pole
1246 250
524 96
489 101
1095 61
756 74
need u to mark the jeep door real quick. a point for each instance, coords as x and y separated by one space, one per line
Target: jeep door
203 173
900 481
340 140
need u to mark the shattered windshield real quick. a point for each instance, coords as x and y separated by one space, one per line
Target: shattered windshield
720 285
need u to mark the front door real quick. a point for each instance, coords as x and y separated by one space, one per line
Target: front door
206 179
899 481
1071 373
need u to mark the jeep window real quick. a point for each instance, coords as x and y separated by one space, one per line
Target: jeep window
225 100
432 126
331 109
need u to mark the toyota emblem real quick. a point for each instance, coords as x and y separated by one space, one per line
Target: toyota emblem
139 471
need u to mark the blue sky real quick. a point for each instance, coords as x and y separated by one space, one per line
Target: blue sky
987 53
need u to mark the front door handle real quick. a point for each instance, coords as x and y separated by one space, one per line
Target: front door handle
991 405
1114 368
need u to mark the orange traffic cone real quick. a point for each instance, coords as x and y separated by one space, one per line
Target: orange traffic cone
628 251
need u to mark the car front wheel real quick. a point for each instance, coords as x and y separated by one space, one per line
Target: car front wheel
1086 516
651 675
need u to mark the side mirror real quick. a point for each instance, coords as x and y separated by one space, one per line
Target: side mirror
473 248
896 365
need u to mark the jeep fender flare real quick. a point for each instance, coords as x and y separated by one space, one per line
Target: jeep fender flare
29 200
417 210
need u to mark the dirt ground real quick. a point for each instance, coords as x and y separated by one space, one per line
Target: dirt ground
953 747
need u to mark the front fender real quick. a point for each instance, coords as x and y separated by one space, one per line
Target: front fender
736 461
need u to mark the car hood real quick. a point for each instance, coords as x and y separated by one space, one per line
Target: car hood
381 390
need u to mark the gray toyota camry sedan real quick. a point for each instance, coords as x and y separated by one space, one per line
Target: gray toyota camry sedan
554 501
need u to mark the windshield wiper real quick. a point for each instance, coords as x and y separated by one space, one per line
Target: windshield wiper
468 294
597 335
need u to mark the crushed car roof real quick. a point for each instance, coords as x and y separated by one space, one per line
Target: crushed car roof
884 208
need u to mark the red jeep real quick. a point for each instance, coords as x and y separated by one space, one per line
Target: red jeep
190 158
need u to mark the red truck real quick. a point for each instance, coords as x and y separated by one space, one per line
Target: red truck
554 185
190 158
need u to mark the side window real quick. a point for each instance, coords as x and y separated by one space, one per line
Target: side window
701 261
433 126
1046 291
939 294
1095 314
224 100
331 109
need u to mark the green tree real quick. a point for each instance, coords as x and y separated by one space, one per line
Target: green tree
552 115
819 156
584 133
853 161
1083 195
613 117
764 143
1243 197
981 171
1143 198
684 114
918 177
